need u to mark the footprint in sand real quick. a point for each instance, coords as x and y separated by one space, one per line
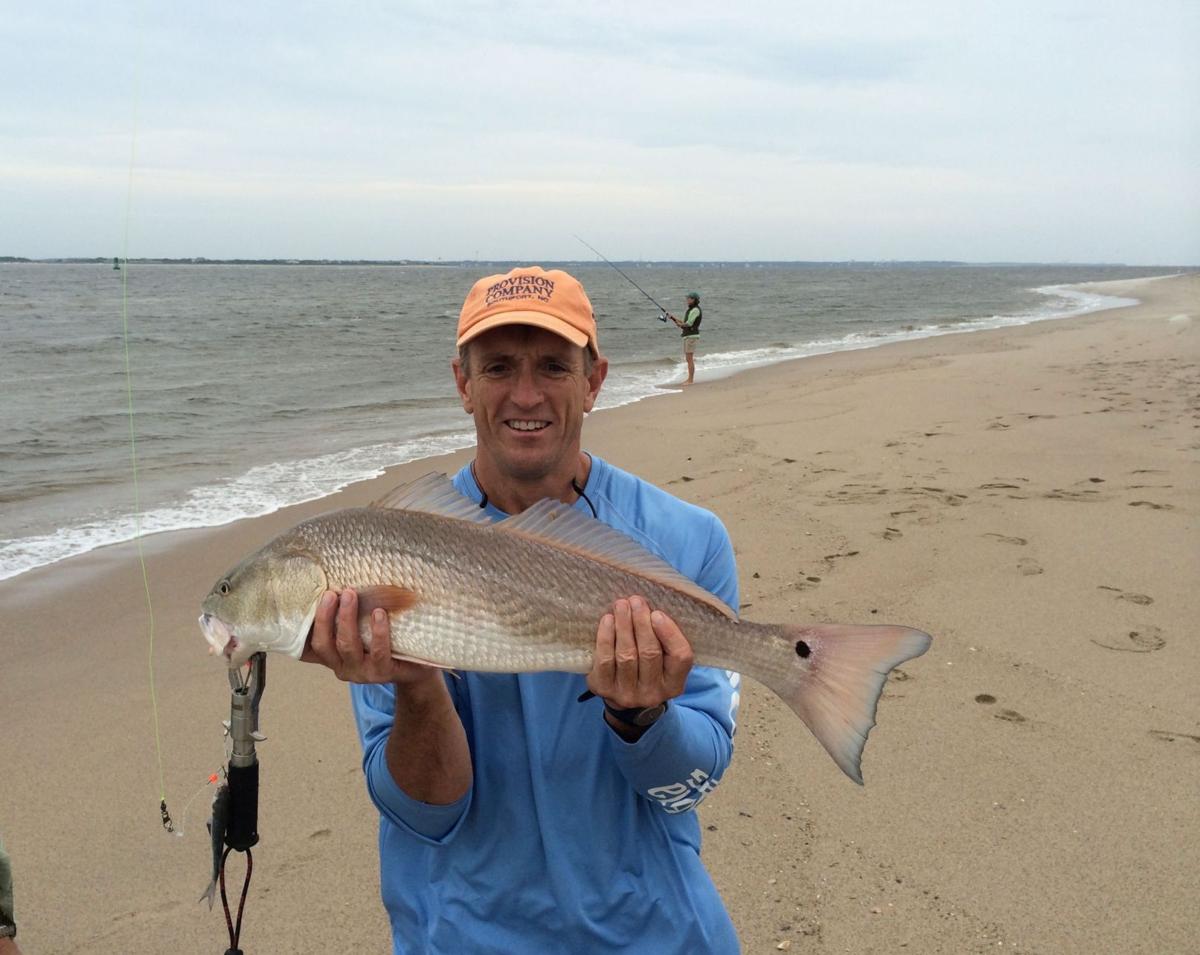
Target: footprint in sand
1146 640
1142 600
1009 716
1169 737
891 533
1005 539
1029 567
896 676
1061 494
1152 505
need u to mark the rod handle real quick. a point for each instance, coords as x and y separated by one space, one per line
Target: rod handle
242 831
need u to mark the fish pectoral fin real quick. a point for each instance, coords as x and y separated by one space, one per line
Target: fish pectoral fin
388 597
407 658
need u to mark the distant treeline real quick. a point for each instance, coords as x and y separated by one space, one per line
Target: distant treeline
200 260
501 264
497 263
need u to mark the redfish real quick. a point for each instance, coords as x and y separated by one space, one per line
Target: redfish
526 594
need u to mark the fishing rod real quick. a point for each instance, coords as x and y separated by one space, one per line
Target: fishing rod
662 316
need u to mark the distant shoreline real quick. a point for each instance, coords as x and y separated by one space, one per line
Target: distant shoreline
501 263
200 260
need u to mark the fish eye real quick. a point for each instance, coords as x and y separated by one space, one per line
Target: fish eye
223 588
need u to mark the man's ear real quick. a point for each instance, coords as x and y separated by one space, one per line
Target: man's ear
463 385
595 380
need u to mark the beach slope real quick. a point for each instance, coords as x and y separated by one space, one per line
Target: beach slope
1027 495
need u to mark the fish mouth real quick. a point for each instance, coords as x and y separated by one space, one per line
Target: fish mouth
221 640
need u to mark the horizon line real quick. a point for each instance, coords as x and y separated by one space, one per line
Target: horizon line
293 261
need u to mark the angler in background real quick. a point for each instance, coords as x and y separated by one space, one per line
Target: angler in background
516 815
691 332
8 923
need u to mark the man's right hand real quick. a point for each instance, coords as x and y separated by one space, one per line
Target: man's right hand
335 643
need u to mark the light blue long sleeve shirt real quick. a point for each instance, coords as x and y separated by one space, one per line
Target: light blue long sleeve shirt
570 840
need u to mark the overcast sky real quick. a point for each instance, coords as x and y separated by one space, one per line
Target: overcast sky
981 131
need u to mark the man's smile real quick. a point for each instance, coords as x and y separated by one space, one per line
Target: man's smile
526 424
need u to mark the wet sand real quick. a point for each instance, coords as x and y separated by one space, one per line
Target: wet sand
1026 495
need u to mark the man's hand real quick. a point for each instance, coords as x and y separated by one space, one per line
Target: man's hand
335 643
642 659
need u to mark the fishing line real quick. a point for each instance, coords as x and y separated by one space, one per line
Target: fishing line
663 316
214 779
240 829
167 823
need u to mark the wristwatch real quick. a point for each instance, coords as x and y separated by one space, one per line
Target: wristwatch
642 716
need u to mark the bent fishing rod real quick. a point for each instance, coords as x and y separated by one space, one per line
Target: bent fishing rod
662 312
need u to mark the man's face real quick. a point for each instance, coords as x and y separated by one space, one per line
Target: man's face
528 392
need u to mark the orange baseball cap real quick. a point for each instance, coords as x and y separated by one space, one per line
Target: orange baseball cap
552 300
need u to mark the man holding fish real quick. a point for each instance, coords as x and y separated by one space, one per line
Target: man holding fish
514 817
539 798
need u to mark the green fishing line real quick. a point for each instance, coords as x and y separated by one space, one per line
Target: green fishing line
133 458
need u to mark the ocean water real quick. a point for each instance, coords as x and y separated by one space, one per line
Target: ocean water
255 387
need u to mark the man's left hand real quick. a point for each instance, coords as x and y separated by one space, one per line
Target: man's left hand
642 658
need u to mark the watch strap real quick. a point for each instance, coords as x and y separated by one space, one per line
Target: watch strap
638 715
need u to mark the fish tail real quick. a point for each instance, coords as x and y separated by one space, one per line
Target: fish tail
836 680
210 894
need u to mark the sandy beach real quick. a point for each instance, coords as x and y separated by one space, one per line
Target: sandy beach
1027 495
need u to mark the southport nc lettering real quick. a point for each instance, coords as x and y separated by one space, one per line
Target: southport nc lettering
520 287
682 796
687 794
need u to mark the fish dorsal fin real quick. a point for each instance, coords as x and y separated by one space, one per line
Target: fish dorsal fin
434 494
553 522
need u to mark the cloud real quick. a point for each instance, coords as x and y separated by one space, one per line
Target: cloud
953 131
